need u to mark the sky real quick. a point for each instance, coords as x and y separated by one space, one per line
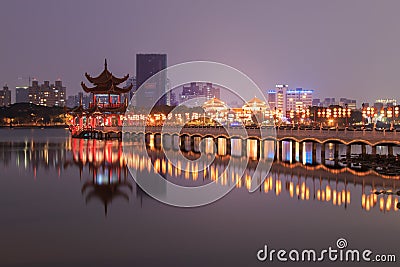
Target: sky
343 48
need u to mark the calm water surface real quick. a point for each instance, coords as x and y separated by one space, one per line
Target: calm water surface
70 202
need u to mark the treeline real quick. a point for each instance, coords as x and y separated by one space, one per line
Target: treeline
31 114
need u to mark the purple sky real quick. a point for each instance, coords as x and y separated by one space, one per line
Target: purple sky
338 48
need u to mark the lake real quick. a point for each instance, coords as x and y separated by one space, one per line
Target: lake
73 202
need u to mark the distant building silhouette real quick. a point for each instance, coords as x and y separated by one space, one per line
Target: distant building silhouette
5 97
197 89
331 101
129 82
350 103
384 103
146 66
80 98
316 102
21 94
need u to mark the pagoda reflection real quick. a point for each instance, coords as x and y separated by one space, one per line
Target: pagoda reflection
106 164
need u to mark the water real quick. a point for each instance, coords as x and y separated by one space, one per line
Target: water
70 202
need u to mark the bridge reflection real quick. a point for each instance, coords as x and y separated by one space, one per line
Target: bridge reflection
306 152
297 172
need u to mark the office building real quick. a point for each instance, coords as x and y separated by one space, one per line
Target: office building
298 99
153 92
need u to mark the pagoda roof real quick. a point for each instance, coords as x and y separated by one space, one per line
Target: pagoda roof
107 88
106 83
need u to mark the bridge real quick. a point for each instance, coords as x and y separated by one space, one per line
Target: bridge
346 137
372 138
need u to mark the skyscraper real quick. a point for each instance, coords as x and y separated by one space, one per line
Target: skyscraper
153 92
5 97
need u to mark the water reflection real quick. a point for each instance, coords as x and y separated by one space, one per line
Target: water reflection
301 171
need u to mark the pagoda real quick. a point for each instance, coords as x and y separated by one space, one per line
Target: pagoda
105 114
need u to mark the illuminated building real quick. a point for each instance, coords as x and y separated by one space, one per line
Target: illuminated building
256 107
215 109
277 98
106 111
46 94
298 99
5 97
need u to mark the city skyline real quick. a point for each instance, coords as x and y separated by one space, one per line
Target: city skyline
338 50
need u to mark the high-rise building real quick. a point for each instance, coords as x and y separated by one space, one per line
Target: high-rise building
47 94
5 97
21 94
277 98
298 99
153 92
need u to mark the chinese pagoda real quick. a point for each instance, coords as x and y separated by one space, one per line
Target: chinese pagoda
103 119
